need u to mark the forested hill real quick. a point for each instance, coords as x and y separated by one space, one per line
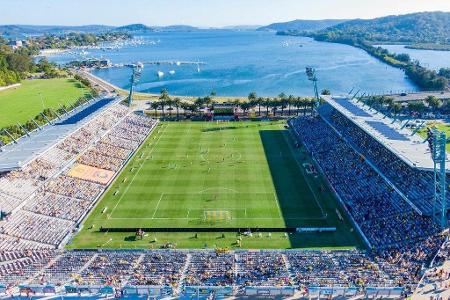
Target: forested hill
302 25
426 27
18 31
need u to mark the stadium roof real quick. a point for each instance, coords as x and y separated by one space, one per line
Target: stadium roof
16 155
412 149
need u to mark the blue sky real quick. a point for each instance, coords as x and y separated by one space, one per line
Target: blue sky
201 12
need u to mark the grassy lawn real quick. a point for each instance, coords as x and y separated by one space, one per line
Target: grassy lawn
205 175
440 126
23 103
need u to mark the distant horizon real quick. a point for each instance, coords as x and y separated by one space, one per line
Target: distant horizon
204 27
202 13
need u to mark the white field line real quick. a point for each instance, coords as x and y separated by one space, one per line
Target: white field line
278 204
137 172
187 218
157 205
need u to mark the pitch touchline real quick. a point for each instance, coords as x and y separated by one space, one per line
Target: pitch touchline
157 205
187 218
278 204
134 176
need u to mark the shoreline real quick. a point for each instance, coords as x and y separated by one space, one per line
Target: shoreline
45 52
414 72
142 96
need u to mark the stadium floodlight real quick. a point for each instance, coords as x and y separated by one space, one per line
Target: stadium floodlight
437 142
311 74
135 77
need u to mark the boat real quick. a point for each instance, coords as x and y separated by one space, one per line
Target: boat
171 72
160 74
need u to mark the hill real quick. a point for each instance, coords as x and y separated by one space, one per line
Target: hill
426 27
15 31
145 28
301 25
134 27
22 31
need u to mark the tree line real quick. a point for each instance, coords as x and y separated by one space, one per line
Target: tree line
282 105
18 64
74 39
424 78
387 105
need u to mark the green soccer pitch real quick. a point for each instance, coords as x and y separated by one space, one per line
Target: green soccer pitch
217 175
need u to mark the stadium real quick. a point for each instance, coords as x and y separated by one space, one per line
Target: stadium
338 202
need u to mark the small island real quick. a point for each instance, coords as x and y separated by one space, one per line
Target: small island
429 46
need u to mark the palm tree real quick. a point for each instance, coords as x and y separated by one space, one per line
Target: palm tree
185 107
177 103
245 106
274 104
266 104
312 103
306 103
290 101
164 95
207 102
170 103
396 108
154 105
259 102
325 92
416 107
433 102
298 102
252 96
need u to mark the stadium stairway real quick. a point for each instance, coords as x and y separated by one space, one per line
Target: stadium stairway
184 274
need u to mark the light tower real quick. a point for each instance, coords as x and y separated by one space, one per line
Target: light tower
311 73
135 76
437 141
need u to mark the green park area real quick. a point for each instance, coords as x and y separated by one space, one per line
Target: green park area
18 105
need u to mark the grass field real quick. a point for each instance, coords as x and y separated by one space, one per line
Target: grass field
203 175
440 126
24 103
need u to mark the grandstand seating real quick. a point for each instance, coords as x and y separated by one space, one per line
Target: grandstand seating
52 198
211 269
237 269
416 185
47 203
382 214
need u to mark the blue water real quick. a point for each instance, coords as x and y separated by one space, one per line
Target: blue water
238 62
428 58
